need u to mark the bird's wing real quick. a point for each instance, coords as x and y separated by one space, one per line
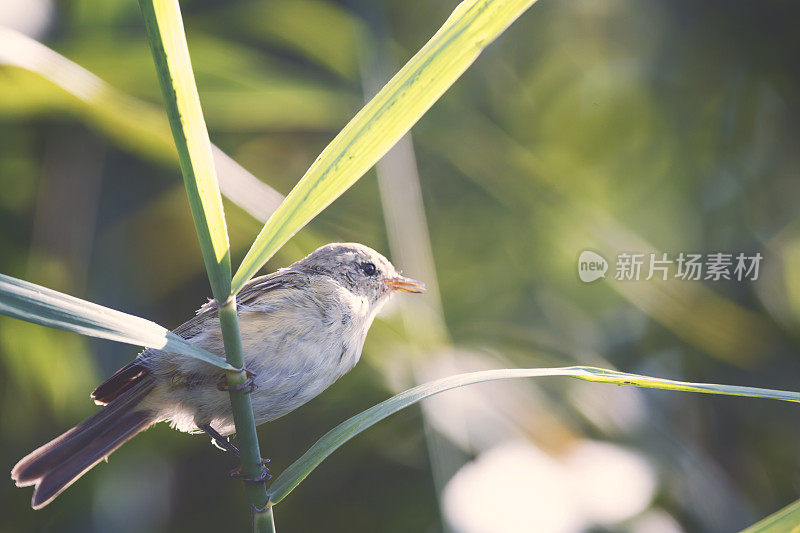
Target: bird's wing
121 381
129 375
257 288
252 290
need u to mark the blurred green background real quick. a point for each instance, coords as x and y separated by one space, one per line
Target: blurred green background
591 124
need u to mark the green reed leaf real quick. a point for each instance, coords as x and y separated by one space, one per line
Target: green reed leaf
40 305
331 441
787 520
391 113
171 54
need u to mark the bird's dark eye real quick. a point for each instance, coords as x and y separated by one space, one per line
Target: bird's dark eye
369 269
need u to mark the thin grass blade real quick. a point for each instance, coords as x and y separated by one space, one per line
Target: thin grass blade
168 43
390 114
40 305
331 441
171 54
787 520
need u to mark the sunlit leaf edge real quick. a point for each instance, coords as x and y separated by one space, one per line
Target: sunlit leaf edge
472 26
786 520
331 441
40 305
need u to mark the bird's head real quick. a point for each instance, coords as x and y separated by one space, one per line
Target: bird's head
358 268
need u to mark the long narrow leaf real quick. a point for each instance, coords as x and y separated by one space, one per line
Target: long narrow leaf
331 441
171 54
34 303
375 129
787 520
168 43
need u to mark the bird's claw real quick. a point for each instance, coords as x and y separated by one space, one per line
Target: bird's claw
219 441
249 385
262 477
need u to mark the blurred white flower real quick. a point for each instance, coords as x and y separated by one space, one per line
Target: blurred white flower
512 488
610 483
655 521
516 487
31 17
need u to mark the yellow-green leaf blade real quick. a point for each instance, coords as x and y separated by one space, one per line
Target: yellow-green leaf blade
331 441
787 520
40 305
390 114
171 54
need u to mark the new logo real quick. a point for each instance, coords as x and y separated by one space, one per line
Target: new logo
591 266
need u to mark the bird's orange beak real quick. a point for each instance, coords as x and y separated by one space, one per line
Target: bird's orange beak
401 283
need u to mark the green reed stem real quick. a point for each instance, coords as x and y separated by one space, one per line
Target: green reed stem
243 418
170 52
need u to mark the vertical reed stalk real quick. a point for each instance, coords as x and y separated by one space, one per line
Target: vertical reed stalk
171 54
261 513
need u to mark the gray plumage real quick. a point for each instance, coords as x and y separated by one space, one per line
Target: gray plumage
302 328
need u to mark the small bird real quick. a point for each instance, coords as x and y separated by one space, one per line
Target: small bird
302 328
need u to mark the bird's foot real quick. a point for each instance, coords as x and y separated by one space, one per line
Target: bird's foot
219 441
249 385
225 445
260 478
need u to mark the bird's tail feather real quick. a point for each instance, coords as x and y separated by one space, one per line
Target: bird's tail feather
59 463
